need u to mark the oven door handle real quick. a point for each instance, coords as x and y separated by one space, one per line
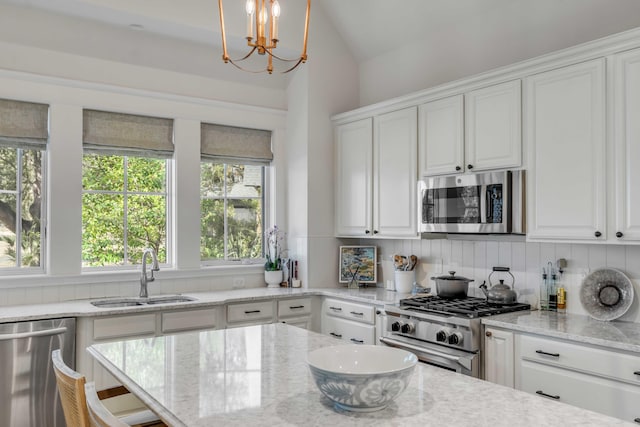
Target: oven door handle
461 360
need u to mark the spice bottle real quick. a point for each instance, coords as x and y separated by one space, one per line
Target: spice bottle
562 300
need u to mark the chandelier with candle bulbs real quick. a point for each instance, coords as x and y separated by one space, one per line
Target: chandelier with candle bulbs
262 34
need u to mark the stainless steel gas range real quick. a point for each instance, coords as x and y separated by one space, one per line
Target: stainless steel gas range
442 332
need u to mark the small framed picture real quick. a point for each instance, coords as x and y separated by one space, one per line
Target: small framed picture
358 263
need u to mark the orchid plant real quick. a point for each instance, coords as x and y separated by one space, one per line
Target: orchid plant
274 240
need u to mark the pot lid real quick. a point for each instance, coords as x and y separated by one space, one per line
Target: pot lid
452 276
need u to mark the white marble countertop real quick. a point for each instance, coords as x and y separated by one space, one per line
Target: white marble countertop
583 329
83 308
258 375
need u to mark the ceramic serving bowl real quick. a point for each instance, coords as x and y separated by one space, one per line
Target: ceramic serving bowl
361 377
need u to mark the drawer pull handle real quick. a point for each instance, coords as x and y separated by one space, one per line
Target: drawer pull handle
637 420
636 373
355 313
357 341
333 334
550 396
293 307
336 308
251 311
548 354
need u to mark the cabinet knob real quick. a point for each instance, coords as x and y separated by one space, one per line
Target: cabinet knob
469 167
458 168
367 232
488 333
637 420
375 231
619 234
597 234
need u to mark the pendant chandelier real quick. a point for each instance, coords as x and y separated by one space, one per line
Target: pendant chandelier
262 34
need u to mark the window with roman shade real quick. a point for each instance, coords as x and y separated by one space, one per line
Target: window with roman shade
125 182
23 143
232 192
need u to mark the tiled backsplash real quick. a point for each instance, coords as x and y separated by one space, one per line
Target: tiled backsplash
475 259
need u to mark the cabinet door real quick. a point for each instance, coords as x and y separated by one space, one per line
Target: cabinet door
441 136
492 124
498 358
566 138
349 331
354 161
395 174
627 146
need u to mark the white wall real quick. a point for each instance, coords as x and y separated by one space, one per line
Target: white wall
534 28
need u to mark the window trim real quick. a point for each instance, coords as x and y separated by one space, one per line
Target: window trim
169 214
267 202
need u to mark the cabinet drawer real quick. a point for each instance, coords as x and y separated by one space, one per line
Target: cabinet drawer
349 310
348 331
188 320
250 311
586 391
294 307
124 326
618 366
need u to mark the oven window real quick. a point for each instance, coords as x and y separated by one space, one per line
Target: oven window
455 205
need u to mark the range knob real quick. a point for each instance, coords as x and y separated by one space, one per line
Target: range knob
442 336
395 326
408 328
455 338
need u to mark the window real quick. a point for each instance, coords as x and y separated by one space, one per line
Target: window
125 182
124 209
23 142
231 211
232 192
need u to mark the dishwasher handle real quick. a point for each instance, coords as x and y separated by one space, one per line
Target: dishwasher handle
43 333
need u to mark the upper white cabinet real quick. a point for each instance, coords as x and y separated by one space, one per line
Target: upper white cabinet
377 176
478 131
441 136
492 127
626 128
565 133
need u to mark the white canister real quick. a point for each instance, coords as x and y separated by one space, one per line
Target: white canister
404 280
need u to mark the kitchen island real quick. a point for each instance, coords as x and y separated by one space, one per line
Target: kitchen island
258 375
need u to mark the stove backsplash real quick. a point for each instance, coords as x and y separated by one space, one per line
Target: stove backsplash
475 259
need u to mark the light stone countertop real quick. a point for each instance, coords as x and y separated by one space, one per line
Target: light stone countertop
583 329
83 308
258 375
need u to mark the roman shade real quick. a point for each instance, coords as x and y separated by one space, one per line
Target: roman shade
228 144
23 124
127 134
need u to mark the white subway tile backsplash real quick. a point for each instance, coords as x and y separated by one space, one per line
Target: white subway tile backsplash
633 261
597 256
616 257
579 258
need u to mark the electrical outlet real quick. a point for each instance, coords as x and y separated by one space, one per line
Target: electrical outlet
238 282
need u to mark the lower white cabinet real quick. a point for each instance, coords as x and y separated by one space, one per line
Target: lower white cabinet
251 313
589 377
498 357
295 312
349 321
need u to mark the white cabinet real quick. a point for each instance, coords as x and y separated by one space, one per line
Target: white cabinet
441 136
498 357
588 377
251 313
376 184
565 133
479 130
188 320
295 312
349 321
626 128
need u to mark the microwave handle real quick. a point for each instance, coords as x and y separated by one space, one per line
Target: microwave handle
484 203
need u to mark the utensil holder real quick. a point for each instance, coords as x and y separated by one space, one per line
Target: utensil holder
404 280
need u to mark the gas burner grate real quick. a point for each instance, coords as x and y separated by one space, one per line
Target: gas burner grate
467 307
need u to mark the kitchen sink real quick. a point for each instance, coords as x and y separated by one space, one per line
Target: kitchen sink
133 302
169 299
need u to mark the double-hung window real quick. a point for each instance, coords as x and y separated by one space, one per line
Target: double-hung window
125 188
23 143
233 173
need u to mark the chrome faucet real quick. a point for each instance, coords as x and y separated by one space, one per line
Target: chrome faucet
144 279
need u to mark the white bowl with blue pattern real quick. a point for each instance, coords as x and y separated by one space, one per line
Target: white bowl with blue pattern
361 377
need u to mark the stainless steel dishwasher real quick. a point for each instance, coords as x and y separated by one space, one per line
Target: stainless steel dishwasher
28 392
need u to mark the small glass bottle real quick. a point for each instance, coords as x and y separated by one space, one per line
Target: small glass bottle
553 294
562 300
544 292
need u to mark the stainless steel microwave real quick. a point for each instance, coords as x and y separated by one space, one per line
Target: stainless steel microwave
482 203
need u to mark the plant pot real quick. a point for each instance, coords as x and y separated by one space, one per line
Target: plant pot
273 278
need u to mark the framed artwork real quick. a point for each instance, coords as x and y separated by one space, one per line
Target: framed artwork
358 263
